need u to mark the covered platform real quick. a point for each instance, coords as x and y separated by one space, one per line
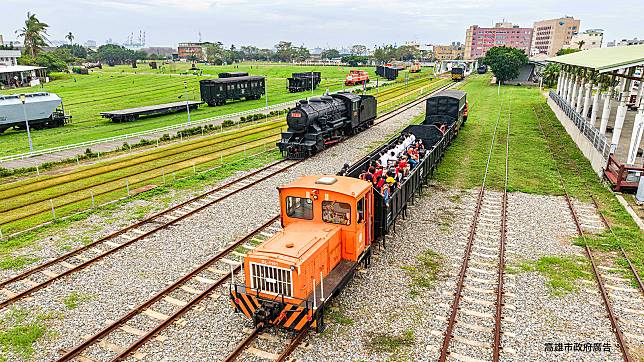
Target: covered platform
130 114
17 76
599 97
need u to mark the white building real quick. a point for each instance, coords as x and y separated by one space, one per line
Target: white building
624 42
589 39
9 57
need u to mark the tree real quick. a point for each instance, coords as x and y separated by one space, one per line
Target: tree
114 54
139 55
358 50
581 44
249 52
50 60
567 51
384 54
34 32
64 54
301 54
330 54
406 52
505 62
354 60
285 51
215 53
551 74
77 50
70 37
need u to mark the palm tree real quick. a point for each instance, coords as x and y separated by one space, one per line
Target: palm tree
581 43
70 37
34 33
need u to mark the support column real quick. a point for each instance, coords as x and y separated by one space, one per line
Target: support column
595 111
559 80
564 85
605 112
621 111
586 108
636 135
640 90
573 92
580 96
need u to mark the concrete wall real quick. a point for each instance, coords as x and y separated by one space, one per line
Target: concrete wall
596 159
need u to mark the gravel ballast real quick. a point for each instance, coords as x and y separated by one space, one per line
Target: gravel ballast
120 281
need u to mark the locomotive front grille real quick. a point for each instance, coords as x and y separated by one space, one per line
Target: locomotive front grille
271 280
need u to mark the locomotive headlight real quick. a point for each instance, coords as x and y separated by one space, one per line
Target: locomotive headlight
292 267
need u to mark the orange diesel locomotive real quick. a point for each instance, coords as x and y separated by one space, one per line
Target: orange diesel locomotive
329 224
356 77
327 231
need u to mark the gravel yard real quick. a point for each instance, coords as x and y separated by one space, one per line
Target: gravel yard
127 278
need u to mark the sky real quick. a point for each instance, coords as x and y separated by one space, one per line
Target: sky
319 23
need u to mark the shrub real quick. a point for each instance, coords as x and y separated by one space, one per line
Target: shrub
228 123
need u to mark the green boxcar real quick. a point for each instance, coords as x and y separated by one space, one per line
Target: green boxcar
216 92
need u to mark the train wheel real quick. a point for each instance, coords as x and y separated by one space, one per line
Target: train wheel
319 327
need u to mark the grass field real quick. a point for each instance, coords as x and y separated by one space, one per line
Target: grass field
85 96
532 168
28 201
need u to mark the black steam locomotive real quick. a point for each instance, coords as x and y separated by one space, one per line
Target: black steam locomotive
319 122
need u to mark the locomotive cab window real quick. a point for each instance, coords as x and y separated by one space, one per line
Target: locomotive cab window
299 207
336 212
360 208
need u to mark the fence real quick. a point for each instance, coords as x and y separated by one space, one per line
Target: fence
598 140
179 126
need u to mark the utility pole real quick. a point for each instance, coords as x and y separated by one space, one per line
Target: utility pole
23 99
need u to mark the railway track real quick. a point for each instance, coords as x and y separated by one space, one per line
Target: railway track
43 275
626 320
231 257
473 330
281 349
180 297
39 205
25 283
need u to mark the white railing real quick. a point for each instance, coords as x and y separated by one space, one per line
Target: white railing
598 140
141 133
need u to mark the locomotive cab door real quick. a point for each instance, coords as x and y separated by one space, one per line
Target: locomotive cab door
355 113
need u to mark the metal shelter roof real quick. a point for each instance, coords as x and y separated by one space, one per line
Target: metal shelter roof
18 68
604 60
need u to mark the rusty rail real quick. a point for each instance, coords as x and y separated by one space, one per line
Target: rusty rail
468 249
87 263
496 346
607 303
145 305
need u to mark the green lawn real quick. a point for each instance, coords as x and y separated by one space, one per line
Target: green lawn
85 96
532 169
